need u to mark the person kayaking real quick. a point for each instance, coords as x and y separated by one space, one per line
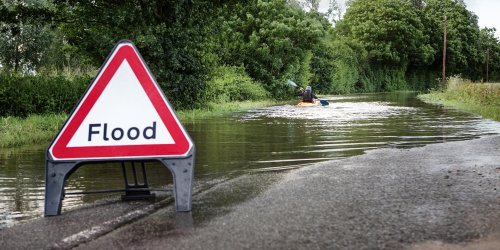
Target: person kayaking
307 94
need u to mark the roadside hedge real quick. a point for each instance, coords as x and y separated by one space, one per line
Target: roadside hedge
22 95
230 83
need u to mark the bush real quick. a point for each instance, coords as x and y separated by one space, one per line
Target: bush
230 83
480 98
34 129
382 79
422 79
348 61
476 93
22 95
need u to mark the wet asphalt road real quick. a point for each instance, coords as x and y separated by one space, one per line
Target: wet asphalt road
441 195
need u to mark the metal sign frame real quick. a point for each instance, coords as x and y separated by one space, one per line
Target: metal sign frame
58 170
57 173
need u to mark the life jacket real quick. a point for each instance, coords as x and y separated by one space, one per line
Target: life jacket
307 96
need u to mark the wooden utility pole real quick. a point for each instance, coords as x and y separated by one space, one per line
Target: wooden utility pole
443 79
487 64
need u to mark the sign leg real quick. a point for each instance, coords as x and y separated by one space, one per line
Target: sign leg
55 177
183 174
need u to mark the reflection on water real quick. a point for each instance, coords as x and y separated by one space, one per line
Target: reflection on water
269 139
21 185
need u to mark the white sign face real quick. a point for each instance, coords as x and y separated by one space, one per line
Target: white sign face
123 115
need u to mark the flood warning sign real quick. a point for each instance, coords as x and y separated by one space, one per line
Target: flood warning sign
123 114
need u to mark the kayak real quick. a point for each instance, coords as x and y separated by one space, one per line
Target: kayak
309 104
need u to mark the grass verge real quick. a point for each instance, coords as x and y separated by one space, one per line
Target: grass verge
34 129
479 98
41 129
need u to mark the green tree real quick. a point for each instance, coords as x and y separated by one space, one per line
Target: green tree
462 53
392 33
25 34
272 39
390 30
24 46
173 37
489 50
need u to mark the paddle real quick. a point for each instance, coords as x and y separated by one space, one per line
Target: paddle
291 83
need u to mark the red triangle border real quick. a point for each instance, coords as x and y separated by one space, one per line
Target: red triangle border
182 143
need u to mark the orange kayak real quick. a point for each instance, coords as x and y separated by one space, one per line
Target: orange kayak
309 104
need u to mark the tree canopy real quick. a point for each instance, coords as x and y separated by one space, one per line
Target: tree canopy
378 45
390 30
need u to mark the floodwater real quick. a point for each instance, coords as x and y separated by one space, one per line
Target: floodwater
268 139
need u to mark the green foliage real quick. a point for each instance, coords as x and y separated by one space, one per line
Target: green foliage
271 39
479 98
24 47
390 30
477 93
382 78
34 129
349 64
304 74
463 39
377 42
171 35
227 50
25 34
25 95
323 68
404 41
419 79
232 84
336 65
490 46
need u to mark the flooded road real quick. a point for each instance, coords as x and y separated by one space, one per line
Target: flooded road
268 139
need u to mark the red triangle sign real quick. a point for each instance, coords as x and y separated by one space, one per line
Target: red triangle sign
122 115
